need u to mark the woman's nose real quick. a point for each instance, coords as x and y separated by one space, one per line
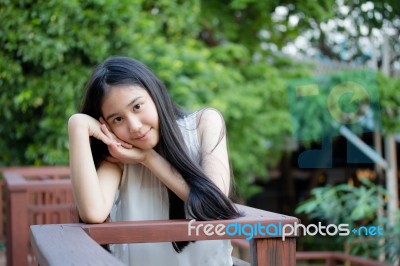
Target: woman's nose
135 124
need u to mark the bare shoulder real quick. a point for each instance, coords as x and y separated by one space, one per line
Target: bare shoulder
210 118
211 127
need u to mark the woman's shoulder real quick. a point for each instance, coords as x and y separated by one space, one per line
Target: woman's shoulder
204 117
209 116
210 126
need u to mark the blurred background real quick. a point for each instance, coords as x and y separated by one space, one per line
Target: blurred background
309 91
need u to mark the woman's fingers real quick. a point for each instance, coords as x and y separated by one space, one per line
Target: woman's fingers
124 155
106 130
100 135
114 138
126 145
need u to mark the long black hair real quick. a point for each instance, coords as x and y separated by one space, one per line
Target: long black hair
205 201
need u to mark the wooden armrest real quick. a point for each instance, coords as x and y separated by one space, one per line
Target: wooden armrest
177 230
53 242
61 244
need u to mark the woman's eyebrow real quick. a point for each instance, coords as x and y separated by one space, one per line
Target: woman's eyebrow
129 104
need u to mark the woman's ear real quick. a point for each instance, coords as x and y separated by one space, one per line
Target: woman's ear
101 119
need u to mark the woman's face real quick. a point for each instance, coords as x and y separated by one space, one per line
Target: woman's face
132 116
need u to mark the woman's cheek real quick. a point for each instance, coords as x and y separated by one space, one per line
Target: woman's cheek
120 134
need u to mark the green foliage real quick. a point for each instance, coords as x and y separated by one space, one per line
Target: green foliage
366 97
389 102
207 53
366 19
240 21
256 113
391 239
356 206
47 50
344 203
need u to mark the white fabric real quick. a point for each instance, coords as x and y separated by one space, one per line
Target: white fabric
142 196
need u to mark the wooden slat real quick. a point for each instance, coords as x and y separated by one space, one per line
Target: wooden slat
36 185
165 231
53 246
337 256
2 211
61 245
17 229
268 250
53 172
32 195
265 256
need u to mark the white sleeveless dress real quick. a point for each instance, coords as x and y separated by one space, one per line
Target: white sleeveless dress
142 196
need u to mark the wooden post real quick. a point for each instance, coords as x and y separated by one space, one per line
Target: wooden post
26 204
1 210
273 251
17 229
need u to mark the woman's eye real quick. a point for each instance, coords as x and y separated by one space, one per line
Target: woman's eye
117 120
137 106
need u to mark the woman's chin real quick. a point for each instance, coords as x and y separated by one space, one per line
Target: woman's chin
144 146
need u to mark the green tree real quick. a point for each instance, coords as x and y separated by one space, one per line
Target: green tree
49 48
207 53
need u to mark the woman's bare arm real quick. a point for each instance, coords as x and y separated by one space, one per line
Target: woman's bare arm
214 152
94 190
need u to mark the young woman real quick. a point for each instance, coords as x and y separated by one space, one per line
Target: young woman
134 155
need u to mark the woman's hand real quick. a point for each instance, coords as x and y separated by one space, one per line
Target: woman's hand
91 126
123 153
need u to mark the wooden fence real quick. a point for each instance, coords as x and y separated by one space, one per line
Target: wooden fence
56 172
34 195
43 195
331 258
80 243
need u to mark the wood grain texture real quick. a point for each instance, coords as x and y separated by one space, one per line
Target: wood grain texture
34 195
79 244
269 251
68 245
266 250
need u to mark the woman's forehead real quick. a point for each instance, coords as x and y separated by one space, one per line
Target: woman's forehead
121 96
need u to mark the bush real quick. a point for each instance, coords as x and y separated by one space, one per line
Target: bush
47 50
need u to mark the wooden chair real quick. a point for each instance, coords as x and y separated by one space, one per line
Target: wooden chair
79 244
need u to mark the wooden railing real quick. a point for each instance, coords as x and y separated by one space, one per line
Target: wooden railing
79 244
331 258
34 195
43 195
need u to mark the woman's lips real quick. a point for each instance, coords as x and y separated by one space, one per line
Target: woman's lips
143 136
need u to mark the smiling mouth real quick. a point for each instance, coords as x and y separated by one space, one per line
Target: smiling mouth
143 136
